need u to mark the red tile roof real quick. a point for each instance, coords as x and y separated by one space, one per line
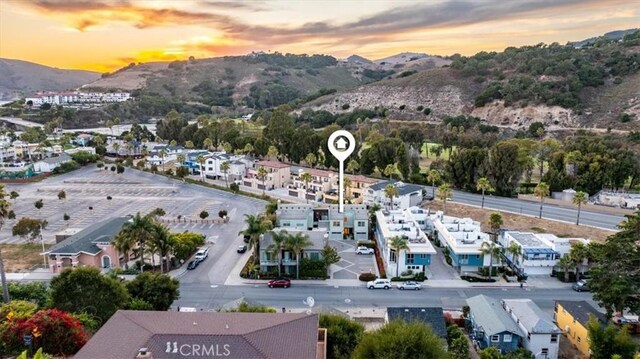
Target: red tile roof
362 179
272 164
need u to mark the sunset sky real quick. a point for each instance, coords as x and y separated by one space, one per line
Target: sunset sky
103 35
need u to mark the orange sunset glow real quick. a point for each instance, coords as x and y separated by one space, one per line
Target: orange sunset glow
104 35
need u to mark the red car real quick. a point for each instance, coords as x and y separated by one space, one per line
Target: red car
279 283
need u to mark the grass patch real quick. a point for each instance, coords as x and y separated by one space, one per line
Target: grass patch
21 257
430 145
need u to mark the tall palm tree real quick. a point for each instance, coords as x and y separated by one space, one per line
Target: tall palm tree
5 208
163 154
390 192
310 159
262 176
116 148
432 177
515 250
163 242
390 170
201 161
224 167
398 244
248 149
124 244
483 185
207 143
276 247
180 158
493 250
579 198
353 166
565 264
444 193
255 228
306 178
141 229
347 188
578 253
296 243
541 191
495 222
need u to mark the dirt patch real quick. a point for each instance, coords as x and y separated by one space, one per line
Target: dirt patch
21 257
522 223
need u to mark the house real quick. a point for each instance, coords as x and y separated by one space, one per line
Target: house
278 175
354 192
269 258
407 224
408 195
353 223
572 318
191 160
162 154
321 182
174 335
48 164
491 325
432 316
463 239
540 335
83 139
7 151
237 166
91 246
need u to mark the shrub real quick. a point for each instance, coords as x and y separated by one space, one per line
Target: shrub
234 187
420 108
402 107
368 244
407 73
343 335
470 278
66 167
427 111
625 117
345 106
311 268
84 158
222 213
367 277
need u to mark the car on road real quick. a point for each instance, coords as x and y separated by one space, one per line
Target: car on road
379 284
581 286
279 283
242 248
193 264
364 250
202 254
409 285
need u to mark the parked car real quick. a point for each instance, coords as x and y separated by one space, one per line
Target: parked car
193 264
242 248
581 286
202 254
379 284
364 250
409 285
279 283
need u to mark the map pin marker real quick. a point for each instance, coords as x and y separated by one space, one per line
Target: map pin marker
341 145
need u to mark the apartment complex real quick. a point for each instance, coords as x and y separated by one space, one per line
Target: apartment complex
278 175
76 97
408 195
271 258
352 224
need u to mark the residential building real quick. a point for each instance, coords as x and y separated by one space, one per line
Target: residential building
156 157
191 160
407 224
269 256
83 139
174 335
60 98
278 175
540 335
91 246
408 195
91 150
463 239
354 192
491 325
321 183
431 316
26 150
572 318
237 166
7 151
353 223
47 165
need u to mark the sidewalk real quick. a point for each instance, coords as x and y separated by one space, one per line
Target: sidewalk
39 274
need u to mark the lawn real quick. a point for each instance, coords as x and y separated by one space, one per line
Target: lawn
21 257
430 145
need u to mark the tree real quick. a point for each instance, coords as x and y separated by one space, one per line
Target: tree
541 191
275 248
35 292
234 187
311 159
116 148
29 229
62 195
163 153
504 167
400 340
180 158
85 289
273 152
330 255
490 353
493 250
353 166
255 228
565 264
607 341
164 243
306 178
347 188
578 253
141 231
444 194
483 185
159 290
224 167
261 175
398 244
204 215
391 191
38 204
433 177
495 223
189 145
579 198
248 149
390 170
515 250
296 243
5 210
343 335
14 195
201 161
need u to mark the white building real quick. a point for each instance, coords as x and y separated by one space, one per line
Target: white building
321 183
237 166
409 195
7 152
161 154
47 165
540 335
60 98
408 224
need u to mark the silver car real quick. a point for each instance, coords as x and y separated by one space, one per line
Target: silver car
409 285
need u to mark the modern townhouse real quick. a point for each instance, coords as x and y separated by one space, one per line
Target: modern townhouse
407 224
160 154
572 317
314 190
352 224
271 257
491 325
278 175
540 335
354 192
237 166
408 195
191 160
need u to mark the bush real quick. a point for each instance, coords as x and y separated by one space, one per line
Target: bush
222 213
84 158
36 292
427 111
407 73
234 187
311 268
625 117
402 107
470 278
66 167
420 108
120 169
367 277
343 335
485 271
345 106
406 273
368 244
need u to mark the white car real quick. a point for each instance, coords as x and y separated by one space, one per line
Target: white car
409 285
202 254
379 284
364 250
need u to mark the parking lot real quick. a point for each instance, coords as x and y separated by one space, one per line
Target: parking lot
351 265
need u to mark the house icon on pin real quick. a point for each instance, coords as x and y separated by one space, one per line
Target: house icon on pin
341 143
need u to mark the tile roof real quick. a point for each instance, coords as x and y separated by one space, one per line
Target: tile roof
580 311
85 240
272 164
531 316
489 314
362 179
433 316
381 185
243 335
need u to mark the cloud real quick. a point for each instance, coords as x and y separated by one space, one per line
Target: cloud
231 5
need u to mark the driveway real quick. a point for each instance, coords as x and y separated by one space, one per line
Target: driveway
439 268
350 265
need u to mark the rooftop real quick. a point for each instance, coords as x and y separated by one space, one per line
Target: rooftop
361 179
85 240
581 310
433 316
463 235
317 237
301 211
489 314
403 223
272 164
403 188
62 158
531 316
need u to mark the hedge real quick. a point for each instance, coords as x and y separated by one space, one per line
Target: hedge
367 277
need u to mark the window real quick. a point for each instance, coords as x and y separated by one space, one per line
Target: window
507 338
314 256
336 223
579 340
409 258
528 336
554 338
544 351
360 224
495 338
286 224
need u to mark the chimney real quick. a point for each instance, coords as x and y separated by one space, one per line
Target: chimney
144 353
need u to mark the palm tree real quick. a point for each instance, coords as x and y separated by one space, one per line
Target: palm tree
391 191
255 228
163 242
201 161
189 145
311 159
483 185
578 253
306 178
248 149
276 247
565 264
390 170
180 158
262 176
173 143
398 244
224 167
353 166
515 251
207 143
541 191
124 244
347 188
116 148
432 177
4 213
444 194
493 250
163 154
273 152
579 198
141 230
296 243
495 222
